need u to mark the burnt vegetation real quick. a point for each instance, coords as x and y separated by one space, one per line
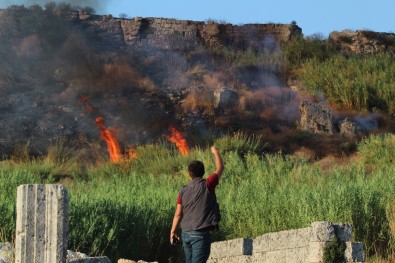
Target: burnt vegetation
51 56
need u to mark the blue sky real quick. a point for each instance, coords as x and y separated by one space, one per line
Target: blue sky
313 16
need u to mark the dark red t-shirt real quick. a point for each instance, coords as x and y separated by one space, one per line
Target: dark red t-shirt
212 181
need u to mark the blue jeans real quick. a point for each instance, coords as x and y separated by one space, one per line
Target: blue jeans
197 245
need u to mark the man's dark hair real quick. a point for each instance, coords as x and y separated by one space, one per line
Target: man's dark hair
196 169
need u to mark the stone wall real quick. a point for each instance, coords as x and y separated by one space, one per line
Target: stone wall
298 245
165 33
185 34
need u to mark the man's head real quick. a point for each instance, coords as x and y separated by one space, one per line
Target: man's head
196 169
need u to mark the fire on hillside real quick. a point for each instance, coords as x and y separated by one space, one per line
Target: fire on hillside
137 94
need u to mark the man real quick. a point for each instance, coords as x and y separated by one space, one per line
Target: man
197 210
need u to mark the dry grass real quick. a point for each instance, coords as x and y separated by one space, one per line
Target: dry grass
201 101
390 259
212 81
121 75
197 69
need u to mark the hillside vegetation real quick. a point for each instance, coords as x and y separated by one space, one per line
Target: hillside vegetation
362 82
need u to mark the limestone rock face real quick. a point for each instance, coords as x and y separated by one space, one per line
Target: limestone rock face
363 41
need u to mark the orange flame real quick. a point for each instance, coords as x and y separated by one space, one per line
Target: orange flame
178 139
112 143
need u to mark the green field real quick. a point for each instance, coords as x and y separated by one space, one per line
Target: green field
125 210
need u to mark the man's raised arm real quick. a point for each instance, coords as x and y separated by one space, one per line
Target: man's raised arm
219 164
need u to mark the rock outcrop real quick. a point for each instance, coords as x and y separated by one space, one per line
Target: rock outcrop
364 41
225 98
316 118
320 119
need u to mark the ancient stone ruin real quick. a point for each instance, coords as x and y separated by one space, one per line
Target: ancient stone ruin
290 246
41 224
42 227
42 231
186 35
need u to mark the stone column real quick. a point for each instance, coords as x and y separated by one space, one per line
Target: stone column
41 224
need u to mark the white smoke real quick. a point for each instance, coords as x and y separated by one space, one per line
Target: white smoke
367 123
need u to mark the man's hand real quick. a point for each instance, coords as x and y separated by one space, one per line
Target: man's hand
214 150
174 238
176 220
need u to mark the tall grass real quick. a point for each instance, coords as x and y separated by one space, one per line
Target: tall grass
271 60
125 210
365 82
299 50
